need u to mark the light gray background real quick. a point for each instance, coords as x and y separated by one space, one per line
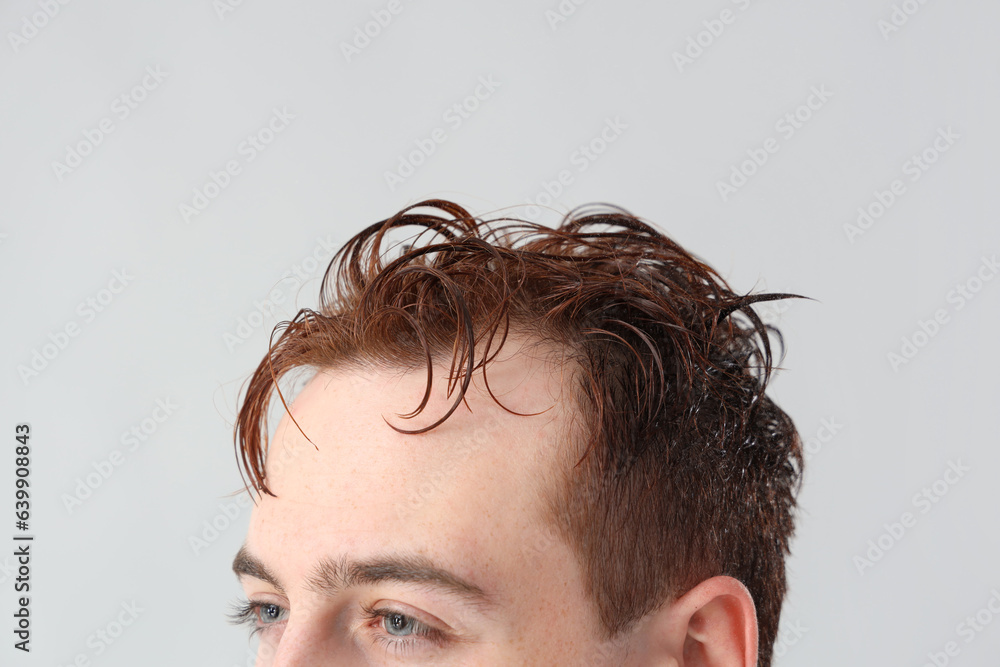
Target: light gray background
163 337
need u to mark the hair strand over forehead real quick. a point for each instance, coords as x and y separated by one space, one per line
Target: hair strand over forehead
687 468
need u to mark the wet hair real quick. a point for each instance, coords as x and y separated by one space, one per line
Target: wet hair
686 468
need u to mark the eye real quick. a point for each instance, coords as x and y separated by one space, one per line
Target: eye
401 625
258 615
268 613
403 632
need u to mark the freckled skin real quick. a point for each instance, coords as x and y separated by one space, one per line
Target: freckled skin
467 495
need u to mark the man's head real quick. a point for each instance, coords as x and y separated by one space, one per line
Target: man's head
521 446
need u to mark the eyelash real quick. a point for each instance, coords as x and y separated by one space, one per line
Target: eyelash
401 646
247 613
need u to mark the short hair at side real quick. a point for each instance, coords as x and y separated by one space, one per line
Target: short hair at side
688 469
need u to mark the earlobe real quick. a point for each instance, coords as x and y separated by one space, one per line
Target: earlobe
712 625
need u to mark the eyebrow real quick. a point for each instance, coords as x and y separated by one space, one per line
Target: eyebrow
330 576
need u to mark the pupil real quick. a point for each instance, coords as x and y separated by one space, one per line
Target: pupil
271 611
399 624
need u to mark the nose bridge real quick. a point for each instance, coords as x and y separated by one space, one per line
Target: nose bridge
307 645
295 654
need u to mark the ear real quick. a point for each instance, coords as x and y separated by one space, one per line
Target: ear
712 625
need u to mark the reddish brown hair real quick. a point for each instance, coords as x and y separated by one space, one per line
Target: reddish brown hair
688 469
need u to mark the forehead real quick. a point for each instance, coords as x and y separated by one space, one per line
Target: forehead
474 482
